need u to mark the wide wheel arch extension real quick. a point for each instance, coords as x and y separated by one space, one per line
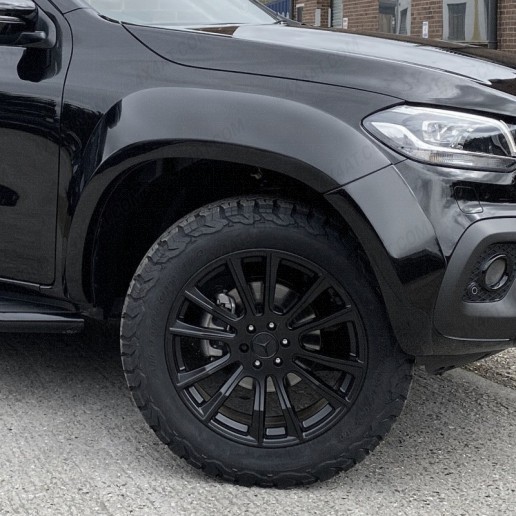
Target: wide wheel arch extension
140 204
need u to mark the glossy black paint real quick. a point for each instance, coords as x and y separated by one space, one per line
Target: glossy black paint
191 113
22 313
31 88
143 110
410 71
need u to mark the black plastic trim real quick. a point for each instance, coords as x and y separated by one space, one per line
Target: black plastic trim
456 319
39 323
31 314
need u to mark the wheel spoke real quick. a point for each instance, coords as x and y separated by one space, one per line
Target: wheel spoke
187 330
187 378
235 266
309 297
210 408
262 297
197 297
353 367
291 420
257 430
321 388
271 277
320 323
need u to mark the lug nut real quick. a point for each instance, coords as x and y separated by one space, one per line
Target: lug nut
271 326
244 348
278 361
257 364
285 343
251 328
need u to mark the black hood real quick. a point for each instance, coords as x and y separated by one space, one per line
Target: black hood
409 69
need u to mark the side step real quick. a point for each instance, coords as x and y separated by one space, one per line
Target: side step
18 315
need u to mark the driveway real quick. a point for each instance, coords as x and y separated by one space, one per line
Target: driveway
71 442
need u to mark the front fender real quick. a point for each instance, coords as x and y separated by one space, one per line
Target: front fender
402 248
296 139
313 137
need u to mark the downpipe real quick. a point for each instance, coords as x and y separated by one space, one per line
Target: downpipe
492 25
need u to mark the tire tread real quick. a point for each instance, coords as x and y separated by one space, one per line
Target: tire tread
212 219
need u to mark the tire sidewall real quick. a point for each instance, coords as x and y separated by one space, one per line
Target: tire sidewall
200 245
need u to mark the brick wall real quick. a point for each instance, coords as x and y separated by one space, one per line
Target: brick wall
507 25
362 15
430 11
309 11
324 5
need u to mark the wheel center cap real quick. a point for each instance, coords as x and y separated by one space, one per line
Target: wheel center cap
264 345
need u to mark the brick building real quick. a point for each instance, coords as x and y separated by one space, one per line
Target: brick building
451 20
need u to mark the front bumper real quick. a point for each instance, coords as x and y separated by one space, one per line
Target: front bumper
462 315
423 241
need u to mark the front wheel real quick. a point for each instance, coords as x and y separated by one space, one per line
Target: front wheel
257 347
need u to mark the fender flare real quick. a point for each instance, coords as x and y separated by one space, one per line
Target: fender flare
403 251
289 137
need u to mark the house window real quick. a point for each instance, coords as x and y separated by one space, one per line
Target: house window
403 22
486 10
457 22
387 16
336 13
299 13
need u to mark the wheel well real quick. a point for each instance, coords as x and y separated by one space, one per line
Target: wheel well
153 196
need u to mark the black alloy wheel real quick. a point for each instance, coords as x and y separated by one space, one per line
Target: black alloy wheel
256 345
266 348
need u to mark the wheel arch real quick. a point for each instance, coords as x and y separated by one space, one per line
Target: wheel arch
402 250
241 129
171 180
326 150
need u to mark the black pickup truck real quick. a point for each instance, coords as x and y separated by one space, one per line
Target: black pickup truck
284 219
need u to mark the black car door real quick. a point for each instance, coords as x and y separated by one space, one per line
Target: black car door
31 86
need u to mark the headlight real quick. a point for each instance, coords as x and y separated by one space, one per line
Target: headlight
446 138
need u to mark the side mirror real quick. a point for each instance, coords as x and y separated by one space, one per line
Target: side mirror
23 25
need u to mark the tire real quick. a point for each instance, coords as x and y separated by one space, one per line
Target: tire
257 385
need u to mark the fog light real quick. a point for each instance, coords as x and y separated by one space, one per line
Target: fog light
495 272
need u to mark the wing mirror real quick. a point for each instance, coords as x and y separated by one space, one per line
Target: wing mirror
22 24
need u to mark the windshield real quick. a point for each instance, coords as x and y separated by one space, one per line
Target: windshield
183 12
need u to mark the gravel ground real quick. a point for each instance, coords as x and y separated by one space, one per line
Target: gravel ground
72 443
499 368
